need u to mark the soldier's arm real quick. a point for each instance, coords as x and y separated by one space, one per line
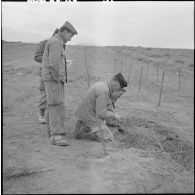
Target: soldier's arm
111 108
38 58
39 52
101 107
54 54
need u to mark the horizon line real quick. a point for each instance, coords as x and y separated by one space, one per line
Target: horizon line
95 45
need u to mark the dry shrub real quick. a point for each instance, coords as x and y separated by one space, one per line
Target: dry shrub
7 108
179 61
16 167
140 59
191 65
149 49
155 56
167 55
158 138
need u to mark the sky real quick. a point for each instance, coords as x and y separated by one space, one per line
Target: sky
147 23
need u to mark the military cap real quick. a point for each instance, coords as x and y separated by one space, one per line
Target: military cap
68 26
119 77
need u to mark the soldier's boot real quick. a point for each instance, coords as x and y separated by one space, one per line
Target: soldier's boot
81 130
120 129
41 116
58 140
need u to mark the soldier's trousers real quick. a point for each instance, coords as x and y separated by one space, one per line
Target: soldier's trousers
43 99
55 107
82 129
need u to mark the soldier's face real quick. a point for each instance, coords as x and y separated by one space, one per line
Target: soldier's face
67 35
115 86
116 95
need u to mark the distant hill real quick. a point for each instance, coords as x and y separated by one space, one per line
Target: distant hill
11 41
117 48
15 42
86 44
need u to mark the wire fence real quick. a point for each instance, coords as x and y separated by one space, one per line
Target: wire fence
138 71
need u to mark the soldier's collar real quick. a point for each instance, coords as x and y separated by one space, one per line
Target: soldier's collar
59 36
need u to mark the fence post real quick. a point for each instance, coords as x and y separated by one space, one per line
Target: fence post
121 64
105 58
179 78
129 71
161 88
140 78
115 64
157 72
85 56
111 62
147 71
88 76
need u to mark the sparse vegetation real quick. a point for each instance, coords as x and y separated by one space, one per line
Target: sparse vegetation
179 61
87 69
155 154
167 55
140 59
149 49
191 65
159 139
155 56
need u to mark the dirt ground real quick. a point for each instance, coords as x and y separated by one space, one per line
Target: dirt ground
154 155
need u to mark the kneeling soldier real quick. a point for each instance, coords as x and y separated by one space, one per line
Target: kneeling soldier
94 109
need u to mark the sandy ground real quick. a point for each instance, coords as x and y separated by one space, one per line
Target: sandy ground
155 155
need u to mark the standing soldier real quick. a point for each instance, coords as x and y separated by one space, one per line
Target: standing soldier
54 76
43 100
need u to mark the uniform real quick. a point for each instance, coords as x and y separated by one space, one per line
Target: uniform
95 103
54 76
38 58
54 60
93 110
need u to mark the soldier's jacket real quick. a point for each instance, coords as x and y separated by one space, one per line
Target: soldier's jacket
54 59
39 51
111 107
96 101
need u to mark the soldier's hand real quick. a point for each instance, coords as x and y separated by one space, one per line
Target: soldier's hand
117 117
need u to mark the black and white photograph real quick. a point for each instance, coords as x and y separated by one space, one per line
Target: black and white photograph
97 97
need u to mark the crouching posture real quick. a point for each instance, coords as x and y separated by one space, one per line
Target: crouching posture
95 109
